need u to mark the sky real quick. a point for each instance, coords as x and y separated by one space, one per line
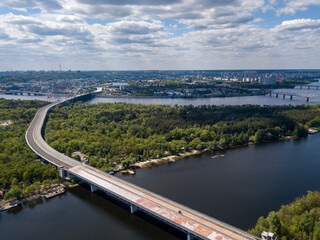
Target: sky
159 34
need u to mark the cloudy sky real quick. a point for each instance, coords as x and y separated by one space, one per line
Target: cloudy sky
159 34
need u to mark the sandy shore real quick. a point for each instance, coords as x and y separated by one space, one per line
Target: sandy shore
154 162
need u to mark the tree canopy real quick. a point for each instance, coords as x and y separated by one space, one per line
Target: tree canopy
110 133
19 166
299 220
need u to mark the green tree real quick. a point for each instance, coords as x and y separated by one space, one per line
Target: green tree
14 192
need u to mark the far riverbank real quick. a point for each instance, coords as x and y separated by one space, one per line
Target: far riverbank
173 158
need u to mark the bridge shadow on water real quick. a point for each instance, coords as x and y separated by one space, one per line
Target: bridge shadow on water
147 218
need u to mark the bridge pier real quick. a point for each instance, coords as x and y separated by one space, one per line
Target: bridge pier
284 96
317 88
277 95
190 237
270 94
300 86
93 188
308 87
62 172
307 99
290 97
133 209
70 176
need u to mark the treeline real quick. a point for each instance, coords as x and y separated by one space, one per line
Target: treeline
21 172
297 220
109 133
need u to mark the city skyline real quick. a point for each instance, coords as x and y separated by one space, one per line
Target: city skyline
164 35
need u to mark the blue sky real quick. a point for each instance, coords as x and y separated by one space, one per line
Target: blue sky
153 34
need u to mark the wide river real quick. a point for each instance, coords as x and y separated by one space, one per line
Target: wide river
237 187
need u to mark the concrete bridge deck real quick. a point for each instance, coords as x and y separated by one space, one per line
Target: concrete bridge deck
189 221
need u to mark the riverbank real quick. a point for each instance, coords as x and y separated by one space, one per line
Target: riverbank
52 191
173 158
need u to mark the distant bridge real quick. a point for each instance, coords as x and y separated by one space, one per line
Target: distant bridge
291 94
25 93
309 87
193 224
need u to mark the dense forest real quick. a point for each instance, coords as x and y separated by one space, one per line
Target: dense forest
21 172
299 220
113 133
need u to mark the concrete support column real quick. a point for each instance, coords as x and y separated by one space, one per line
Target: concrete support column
277 95
291 97
70 176
189 237
284 96
307 99
62 172
300 86
133 209
93 188
270 94
317 88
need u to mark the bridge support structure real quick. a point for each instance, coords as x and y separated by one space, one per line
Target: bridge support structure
62 172
277 95
190 237
291 97
284 96
133 209
93 188
307 99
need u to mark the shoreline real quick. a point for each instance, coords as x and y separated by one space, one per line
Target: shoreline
52 191
172 158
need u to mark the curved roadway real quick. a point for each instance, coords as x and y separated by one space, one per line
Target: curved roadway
40 147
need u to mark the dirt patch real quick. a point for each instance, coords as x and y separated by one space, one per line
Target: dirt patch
6 123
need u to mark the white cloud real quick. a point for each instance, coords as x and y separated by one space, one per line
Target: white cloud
300 25
210 34
195 13
23 4
293 6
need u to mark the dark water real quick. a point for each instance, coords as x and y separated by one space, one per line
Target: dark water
237 188
78 214
243 184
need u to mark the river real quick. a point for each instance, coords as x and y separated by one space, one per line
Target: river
260 100
237 187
